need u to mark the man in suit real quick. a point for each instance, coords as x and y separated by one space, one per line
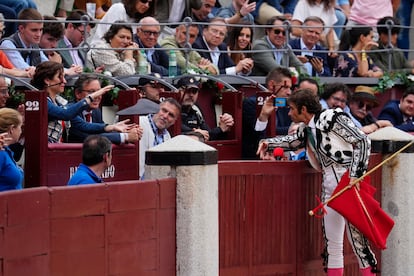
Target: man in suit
127 133
147 37
74 37
272 50
400 113
211 47
316 63
279 82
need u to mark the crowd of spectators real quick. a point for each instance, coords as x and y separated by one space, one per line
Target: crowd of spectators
298 35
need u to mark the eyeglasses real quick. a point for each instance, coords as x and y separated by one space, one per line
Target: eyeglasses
278 32
149 33
336 99
145 1
368 107
217 32
82 32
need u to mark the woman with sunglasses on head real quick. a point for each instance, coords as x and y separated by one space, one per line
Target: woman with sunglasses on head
11 175
361 104
116 52
129 11
49 76
240 38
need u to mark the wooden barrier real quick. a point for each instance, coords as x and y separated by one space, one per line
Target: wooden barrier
53 164
128 227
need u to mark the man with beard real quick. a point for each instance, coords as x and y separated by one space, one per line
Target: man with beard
155 128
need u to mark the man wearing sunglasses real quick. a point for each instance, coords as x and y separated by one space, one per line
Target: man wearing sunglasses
191 116
361 104
146 37
272 50
150 97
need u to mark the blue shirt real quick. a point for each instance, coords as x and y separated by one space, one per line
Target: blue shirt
84 175
11 175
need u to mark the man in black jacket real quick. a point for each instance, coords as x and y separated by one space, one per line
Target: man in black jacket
191 116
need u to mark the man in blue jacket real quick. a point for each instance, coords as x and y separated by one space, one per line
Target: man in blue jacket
306 48
96 158
400 113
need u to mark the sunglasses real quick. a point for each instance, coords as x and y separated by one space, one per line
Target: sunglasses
191 90
278 32
145 1
368 107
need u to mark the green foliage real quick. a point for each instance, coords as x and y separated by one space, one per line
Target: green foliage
388 80
15 97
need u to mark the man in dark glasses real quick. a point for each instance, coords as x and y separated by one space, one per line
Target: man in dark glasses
150 97
146 37
272 51
361 104
191 115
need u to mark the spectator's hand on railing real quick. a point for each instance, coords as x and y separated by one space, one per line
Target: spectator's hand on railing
30 71
203 132
226 122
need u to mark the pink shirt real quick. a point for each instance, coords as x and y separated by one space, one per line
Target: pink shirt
368 12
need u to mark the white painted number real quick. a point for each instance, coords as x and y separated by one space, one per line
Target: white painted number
32 106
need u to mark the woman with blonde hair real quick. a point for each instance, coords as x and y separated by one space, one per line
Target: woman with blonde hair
11 175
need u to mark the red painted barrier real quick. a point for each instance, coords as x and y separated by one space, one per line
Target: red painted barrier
128 228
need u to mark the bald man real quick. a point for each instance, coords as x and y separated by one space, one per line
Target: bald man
147 35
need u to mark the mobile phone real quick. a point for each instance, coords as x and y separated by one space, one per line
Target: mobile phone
280 102
312 57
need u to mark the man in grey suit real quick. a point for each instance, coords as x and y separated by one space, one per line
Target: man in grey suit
272 50
73 38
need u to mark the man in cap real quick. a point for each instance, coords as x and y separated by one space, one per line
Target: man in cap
362 102
150 90
191 116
